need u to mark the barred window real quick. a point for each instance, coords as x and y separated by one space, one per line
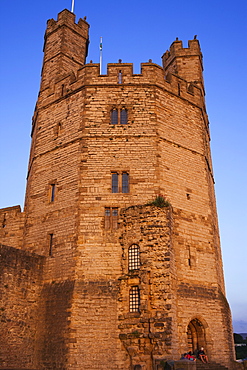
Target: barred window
123 117
134 257
134 297
125 182
114 117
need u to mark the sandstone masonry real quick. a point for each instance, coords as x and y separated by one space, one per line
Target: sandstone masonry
95 274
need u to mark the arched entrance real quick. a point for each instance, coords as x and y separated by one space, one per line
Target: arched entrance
196 335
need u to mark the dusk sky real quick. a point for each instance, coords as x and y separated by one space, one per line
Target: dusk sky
136 31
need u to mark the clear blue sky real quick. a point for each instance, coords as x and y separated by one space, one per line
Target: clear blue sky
136 31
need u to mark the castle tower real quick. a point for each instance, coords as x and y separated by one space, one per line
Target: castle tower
128 283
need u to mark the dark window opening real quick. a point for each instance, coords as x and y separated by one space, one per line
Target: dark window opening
114 182
52 192
119 115
4 222
50 244
123 117
114 117
120 77
134 257
134 299
125 182
120 182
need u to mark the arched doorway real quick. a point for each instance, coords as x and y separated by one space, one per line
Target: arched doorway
196 335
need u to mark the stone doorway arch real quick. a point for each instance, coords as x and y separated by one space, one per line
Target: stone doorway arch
196 337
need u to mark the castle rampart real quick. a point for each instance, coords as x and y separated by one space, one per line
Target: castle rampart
120 220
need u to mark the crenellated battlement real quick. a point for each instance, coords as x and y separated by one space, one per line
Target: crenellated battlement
177 49
185 62
121 75
66 18
65 47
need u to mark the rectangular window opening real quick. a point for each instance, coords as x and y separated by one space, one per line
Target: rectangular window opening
111 218
125 182
52 192
50 244
123 116
114 182
120 77
134 299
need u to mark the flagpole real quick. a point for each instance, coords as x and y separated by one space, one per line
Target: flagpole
100 56
72 6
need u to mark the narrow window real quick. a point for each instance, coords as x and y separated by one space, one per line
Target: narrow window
111 218
52 192
125 182
114 117
134 257
4 222
114 218
59 127
114 182
107 218
50 244
179 89
123 116
134 297
120 77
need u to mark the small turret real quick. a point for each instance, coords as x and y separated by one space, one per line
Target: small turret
185 62
65 47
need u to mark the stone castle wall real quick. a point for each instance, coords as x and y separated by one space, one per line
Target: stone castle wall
20 287
83 296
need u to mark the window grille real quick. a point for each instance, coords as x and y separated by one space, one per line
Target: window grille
114 117
125 182
134 298
114 178
134 257
123 116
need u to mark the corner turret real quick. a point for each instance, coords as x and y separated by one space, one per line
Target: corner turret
185 62
65 47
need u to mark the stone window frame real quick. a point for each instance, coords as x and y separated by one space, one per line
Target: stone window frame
52 191
111 218
119 116
120 182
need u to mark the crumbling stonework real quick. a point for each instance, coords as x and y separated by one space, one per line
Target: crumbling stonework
114 280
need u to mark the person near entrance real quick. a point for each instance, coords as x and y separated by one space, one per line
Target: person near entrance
202 355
